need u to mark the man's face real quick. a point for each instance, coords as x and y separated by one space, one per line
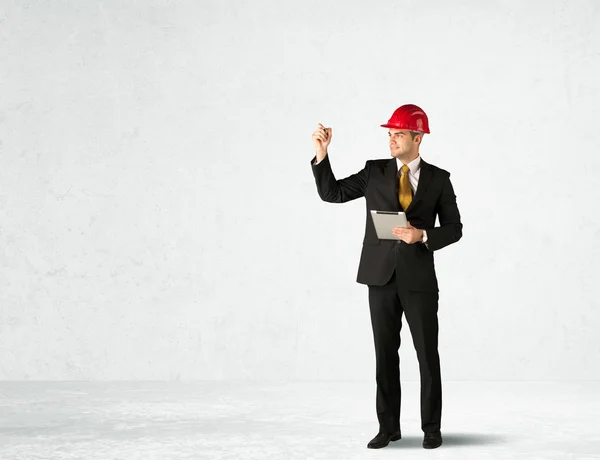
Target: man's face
401 142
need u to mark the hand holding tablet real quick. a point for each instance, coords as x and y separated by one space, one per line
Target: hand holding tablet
385 221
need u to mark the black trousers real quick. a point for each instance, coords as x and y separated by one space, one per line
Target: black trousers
387 304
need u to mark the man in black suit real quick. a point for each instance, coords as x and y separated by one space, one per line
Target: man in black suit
400 274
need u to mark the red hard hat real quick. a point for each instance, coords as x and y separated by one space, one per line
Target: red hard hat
409 116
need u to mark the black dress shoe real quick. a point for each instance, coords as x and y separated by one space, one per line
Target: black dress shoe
432 440
383 439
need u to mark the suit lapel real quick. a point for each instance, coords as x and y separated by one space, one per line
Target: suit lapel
424 180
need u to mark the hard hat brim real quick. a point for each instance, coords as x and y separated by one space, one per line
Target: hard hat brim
387 125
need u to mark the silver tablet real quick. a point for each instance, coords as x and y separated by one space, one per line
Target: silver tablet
385 221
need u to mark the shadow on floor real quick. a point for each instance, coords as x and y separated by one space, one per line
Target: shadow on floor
451 439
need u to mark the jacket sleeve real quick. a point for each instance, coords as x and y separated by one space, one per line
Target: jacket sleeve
450 229
338 191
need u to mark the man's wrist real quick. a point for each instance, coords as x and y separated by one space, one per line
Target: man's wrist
320 156
424 236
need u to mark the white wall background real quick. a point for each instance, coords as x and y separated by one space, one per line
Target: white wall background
159 218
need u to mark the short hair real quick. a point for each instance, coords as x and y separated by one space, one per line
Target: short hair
413 134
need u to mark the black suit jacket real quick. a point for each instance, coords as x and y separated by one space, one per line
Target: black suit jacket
378 183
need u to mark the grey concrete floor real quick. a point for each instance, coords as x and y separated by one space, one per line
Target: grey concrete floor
305 420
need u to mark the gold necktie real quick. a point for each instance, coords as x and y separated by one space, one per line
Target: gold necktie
405 192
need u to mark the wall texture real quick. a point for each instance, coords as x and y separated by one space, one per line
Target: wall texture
159 218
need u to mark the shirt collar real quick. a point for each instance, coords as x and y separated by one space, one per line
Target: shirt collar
413 165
